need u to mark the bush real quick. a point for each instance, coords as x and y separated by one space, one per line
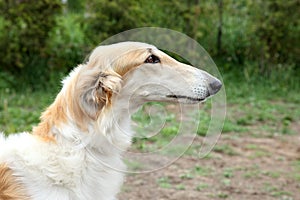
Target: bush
67 43
27 24
277 28
107 18
37 41
24 31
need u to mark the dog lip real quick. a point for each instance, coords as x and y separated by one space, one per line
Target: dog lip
185 97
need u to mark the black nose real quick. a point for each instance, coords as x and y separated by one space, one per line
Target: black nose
214 87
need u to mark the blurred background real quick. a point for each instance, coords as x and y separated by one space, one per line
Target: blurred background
40 40
255 44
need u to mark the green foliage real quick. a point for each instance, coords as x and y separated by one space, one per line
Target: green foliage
278 31
264 32
76 5
107 18
6 80
258 38
67 43
24 30
24 27
237 33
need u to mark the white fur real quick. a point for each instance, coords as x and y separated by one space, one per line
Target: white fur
86 164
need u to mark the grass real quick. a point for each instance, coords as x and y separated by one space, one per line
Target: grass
20 111
252 172
272 174
222 195
225 149
296 172
164 182
260 153
202 171
275 191
134 165
228 172
186 176
202 186
180 187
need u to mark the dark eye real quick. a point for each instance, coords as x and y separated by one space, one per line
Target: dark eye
152 59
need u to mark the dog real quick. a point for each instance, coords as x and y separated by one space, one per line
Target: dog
75 152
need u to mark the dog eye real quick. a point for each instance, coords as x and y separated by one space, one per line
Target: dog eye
152 59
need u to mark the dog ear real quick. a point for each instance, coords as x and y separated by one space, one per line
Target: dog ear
97 94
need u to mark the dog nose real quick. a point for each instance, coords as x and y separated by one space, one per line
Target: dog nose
214 87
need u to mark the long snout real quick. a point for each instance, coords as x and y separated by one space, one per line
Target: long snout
203 84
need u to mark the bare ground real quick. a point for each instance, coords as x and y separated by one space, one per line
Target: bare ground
240 167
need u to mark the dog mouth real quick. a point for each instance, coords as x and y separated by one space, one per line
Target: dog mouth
185 98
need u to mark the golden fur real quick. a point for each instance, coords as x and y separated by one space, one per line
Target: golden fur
10 189
54 115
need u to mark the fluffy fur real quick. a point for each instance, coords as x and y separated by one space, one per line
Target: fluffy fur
74 153
10 188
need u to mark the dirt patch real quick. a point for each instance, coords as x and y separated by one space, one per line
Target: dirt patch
240 167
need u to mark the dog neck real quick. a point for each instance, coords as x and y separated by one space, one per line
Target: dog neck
109 133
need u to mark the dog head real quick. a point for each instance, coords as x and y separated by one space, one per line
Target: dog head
139 72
